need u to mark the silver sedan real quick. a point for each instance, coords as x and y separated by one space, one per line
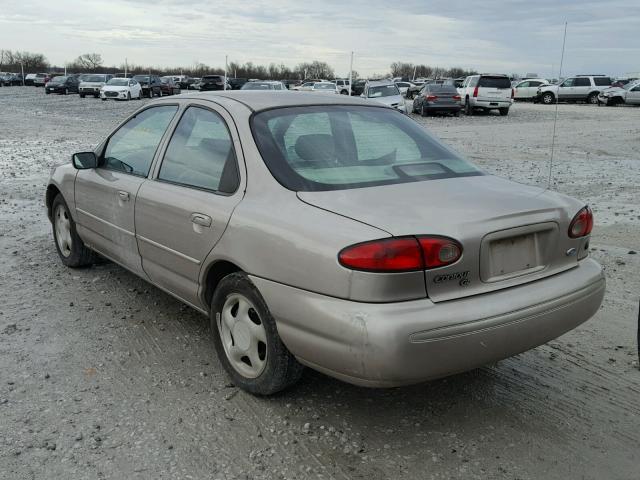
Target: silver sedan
328 232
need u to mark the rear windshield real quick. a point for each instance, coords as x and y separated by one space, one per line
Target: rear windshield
601 81
442 88
494 82
341 147
120 82
257 86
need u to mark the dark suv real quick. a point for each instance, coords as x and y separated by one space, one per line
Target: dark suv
237 83
151 87
212 82
62 84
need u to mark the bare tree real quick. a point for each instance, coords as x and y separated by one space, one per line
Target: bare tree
88 61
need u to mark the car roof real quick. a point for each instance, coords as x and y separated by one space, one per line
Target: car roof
258 100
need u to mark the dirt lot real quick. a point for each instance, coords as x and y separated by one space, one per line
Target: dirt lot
103 376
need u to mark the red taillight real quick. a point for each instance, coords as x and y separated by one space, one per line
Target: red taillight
582 223
475 92
431 98
456 97
403 254
513 93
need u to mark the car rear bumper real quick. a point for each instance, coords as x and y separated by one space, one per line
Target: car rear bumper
490 104
443 108
393 344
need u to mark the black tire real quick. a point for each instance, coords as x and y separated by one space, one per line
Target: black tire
423 112
456 113
96 95
344 92
468 109
281 369
104 99
79 255
128 96
504 111
592 99
82 95
548 98
66 91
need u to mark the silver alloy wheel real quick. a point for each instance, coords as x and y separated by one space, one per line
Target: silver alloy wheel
63 230
243 336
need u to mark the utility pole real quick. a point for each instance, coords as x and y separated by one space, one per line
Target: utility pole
65 69
351 75
22 69
414 72
125 67
225 71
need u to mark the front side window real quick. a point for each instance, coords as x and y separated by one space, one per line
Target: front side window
581 82
569 82
341 147
132 148
200 153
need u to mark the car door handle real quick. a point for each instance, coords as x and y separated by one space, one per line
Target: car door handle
201 219
124 196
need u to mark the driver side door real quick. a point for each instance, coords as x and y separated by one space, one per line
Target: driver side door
105 196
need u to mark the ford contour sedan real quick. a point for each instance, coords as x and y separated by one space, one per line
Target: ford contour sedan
328 232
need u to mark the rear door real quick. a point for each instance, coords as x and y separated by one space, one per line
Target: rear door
105 196
182 212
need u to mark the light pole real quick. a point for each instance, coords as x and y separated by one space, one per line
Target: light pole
351 75
225 72
22 70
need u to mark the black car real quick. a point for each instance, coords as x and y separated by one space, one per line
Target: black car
358 87
236 83
151 85
437 99
212 82
62 84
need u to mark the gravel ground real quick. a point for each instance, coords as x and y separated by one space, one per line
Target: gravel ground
102 376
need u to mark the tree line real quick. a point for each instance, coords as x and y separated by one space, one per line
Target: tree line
93 63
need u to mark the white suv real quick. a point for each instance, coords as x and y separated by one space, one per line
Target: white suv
486 92
581 88
342 86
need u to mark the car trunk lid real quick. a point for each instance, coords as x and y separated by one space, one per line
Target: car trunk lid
511 233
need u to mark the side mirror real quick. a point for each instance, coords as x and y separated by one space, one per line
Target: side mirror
84 160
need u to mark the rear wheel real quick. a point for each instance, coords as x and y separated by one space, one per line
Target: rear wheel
128 96
456 113
592 99
468 109
423 112
247 341
70 247
82 95
504 111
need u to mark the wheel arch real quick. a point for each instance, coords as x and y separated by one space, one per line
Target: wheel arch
52 192
214 273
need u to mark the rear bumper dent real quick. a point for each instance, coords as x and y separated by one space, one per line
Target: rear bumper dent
393 344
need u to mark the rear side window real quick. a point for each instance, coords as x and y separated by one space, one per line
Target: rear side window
200 153
602 81
132 148
494 82
341 147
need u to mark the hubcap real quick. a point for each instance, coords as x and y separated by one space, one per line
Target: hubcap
243 336
63 230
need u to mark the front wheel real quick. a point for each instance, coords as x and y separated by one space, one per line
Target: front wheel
548 98
70 247
592 99
247 341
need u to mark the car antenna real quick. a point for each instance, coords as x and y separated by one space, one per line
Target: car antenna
555 120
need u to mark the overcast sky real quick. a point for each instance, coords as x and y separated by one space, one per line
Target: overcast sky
487 35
